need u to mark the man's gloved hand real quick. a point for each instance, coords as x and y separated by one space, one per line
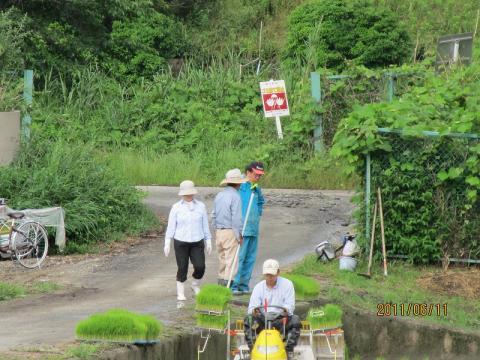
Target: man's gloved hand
166 248
208 246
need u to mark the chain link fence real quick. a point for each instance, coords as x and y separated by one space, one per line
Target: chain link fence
427 218
337 95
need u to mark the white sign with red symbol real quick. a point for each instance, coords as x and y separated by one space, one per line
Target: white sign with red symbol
274 98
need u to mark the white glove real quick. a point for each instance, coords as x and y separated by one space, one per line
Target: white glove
166 248
208 246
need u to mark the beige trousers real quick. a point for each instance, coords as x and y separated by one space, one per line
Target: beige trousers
227 245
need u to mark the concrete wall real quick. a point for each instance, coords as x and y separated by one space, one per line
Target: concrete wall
179 347
9 136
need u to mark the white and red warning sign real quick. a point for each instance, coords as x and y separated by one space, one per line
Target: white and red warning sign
274 98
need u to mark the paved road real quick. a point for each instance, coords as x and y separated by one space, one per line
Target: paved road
141 279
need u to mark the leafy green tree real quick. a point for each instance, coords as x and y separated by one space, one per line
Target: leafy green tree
331 34
12 36
143 45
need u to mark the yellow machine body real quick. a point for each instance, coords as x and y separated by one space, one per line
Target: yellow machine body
269 346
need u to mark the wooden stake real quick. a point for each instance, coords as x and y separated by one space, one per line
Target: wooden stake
384 250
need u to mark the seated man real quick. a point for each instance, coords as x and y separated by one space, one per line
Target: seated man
278 291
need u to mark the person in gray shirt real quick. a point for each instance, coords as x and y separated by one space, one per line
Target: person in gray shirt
227 222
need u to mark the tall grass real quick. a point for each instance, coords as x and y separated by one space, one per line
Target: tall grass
208 168
119 325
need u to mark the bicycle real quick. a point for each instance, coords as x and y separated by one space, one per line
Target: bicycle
22 239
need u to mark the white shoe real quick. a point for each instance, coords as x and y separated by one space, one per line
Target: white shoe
196 286
181 291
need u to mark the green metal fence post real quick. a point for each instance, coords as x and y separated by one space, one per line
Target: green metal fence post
28 97
390 87
367 195
317 96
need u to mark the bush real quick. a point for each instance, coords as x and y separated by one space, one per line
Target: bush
99 205
142 46
324 33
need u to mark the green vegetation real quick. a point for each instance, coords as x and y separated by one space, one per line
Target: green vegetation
400 287
97 202
119 325
305 287
10 291
163 90
213 298
207 321
83 351
326 33
150 168
325 317
430 185
43 287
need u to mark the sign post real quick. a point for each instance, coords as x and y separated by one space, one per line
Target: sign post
275 103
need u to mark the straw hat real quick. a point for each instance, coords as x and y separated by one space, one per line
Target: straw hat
187 187
233 176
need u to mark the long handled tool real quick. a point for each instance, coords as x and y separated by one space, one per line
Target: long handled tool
372 240
384 250
238 247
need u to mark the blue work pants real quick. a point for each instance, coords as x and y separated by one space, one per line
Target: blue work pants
246 262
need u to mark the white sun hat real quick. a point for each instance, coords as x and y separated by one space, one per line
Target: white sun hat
187 187
271 267
234 176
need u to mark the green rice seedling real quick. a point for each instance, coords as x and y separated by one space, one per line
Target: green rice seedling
305 287
206 321
118 325
154 327
213 298
326 317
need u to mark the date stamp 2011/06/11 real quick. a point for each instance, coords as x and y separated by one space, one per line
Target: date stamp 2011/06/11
412 309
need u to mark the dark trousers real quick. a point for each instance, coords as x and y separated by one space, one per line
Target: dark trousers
254 324
195 252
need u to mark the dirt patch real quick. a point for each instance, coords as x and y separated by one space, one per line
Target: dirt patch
458 282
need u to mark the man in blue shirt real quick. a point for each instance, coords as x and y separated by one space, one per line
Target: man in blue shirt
273 291
248 251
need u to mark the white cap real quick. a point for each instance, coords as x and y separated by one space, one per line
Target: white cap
187 187
233 176
271 267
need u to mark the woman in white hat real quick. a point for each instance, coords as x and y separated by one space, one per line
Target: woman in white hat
188 227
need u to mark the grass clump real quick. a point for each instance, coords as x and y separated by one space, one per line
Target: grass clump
326 317
213 298
305 287
119 325
10 291
206 321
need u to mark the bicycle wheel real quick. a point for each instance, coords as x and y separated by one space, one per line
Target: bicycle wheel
30 244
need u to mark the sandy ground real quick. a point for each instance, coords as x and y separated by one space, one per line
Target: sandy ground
137 276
